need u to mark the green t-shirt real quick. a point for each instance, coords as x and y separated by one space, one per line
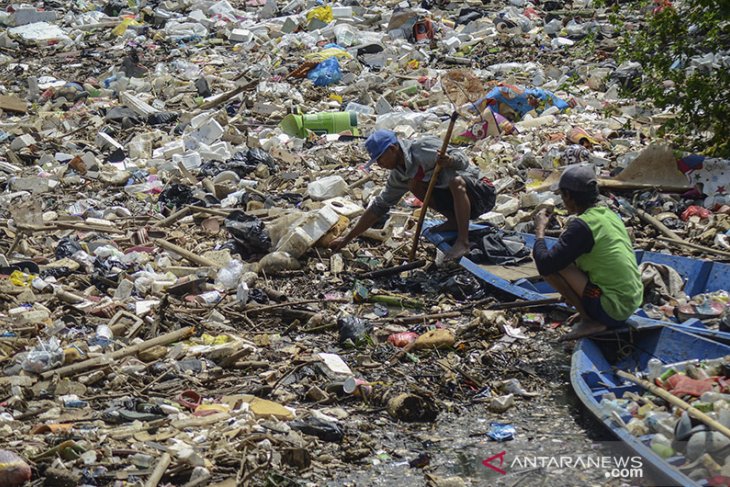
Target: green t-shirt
611 263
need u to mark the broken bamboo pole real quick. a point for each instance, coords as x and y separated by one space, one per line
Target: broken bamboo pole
672 399
87 228
402 320
179 214
658 225
186 254
159 471
287 304
684 243
165 339
394 270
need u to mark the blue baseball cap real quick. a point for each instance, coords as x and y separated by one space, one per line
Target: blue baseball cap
378 142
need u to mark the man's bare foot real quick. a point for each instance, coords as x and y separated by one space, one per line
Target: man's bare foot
447 226
582 329
457 251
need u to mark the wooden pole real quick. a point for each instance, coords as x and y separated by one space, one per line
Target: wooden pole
672 399
658 225
394 270
431 186
287 304
691 245
159 471
124 352
186 254
181 213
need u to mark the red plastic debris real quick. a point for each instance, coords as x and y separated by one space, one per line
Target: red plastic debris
403 339
695 210
680 385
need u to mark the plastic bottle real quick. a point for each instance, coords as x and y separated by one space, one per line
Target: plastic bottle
661 422
358 108
103 337
346 35
662 446
712 396
654 367
619 406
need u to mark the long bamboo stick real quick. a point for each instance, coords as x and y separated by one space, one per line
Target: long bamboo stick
671 398
186 254
124 352
159 471
691 245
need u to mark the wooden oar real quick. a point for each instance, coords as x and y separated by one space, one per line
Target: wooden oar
431 186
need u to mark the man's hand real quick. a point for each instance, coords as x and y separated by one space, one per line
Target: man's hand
444 161
541 219
338 243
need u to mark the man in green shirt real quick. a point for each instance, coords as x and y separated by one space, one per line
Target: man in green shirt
592 265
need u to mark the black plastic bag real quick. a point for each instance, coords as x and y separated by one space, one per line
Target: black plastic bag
249 233
353 328
67 247
242 163
463 287
177 195
324 430
162 118
120 114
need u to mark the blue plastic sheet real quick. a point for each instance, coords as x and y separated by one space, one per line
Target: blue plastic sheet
514 102
326 72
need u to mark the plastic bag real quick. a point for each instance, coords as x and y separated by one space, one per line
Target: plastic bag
249 233
326 72
229 276
177 195
324 430
321 13
66 247
353 328
242 163
44 356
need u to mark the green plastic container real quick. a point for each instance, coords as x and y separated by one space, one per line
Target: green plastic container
319 123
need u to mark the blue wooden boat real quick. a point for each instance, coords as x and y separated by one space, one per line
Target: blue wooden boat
595 359
592 376
701 276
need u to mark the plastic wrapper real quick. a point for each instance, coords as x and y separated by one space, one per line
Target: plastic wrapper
402 339
501 431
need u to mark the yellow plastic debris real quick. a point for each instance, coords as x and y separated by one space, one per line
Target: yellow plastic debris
321 13
328 53
122 28
21 279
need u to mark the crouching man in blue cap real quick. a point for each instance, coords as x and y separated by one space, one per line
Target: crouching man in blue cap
460 193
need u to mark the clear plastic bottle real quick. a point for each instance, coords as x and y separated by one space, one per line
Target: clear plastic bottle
358 108
655 368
